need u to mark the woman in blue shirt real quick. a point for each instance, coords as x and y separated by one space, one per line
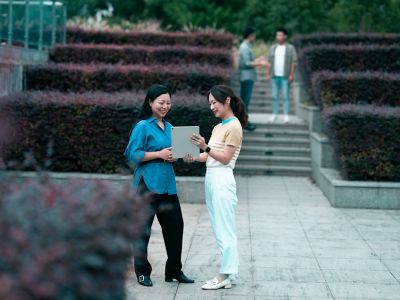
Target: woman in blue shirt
149 149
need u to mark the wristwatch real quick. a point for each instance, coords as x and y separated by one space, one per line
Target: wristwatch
207 150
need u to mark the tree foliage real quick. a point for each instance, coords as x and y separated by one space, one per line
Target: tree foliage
300 16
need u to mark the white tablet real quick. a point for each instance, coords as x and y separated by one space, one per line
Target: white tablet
181 144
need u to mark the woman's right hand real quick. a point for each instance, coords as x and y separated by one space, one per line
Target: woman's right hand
165 154
188 158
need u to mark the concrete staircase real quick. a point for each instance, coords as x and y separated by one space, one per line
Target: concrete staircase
273 148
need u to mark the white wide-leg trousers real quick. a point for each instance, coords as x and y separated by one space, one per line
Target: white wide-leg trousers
221 199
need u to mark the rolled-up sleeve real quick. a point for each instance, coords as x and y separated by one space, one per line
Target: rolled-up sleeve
135 151
294 55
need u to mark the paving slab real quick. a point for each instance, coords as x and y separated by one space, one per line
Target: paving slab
292 244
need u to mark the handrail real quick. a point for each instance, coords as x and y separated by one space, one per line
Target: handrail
35 24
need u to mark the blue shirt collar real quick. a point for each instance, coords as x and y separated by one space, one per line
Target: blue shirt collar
152 119
228 120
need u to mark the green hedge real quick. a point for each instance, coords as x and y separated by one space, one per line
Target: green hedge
117 78
209 39
340 38
354 58
89 132
366 139
66 241
147 55
331 88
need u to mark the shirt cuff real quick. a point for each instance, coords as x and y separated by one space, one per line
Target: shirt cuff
138 156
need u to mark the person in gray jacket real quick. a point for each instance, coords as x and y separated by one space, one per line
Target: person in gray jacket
247 69
282 58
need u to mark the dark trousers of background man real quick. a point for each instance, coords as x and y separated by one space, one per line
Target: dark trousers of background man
169 214
246 91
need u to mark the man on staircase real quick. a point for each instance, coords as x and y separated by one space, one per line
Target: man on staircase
247 69
282 58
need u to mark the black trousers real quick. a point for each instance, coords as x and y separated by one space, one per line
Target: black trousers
168 211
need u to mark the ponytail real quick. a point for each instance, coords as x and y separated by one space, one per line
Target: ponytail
221 93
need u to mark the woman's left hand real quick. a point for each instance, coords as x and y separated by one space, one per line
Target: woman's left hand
199 141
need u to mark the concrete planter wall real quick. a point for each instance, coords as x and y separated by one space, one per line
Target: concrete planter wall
11 79
321 155
346 193
190 189
359 194
304 108
12 61
22 55
340 192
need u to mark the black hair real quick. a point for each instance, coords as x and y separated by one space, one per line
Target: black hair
153 92
281 29
248 31
221 93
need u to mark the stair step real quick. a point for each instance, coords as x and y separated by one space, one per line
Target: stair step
258 87
287 142
275 151
277 132
278 126
276 148
275 160
250 169
266 110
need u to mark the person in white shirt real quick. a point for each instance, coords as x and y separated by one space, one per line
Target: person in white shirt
282 59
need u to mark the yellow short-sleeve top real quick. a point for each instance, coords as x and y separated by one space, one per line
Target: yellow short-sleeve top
226 134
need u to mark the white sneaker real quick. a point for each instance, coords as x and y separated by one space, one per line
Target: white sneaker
215 285
285 119
273 118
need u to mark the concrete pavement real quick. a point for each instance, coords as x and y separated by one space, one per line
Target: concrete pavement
293 245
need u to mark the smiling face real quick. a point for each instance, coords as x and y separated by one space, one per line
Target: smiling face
161 106
220 110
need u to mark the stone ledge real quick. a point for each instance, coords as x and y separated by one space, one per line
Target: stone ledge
22 56
358 194
190 189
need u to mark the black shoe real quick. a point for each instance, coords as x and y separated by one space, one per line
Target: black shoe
145 280
250 127
182 278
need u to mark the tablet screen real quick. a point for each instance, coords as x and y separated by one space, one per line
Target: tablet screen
181 144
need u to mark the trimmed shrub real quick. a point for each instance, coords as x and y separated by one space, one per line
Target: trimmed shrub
147 55
117 78
350 58
304 40
66 241
366 139
89 132
76 35
331 88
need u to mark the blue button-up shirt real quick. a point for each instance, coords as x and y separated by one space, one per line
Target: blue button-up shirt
148 136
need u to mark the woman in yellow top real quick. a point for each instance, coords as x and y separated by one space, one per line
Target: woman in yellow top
220 155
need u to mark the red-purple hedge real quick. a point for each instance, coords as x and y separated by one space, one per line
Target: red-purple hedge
66 241
331 88
210 39
89 132
366 139
147 55
304 40
116 78
352 58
